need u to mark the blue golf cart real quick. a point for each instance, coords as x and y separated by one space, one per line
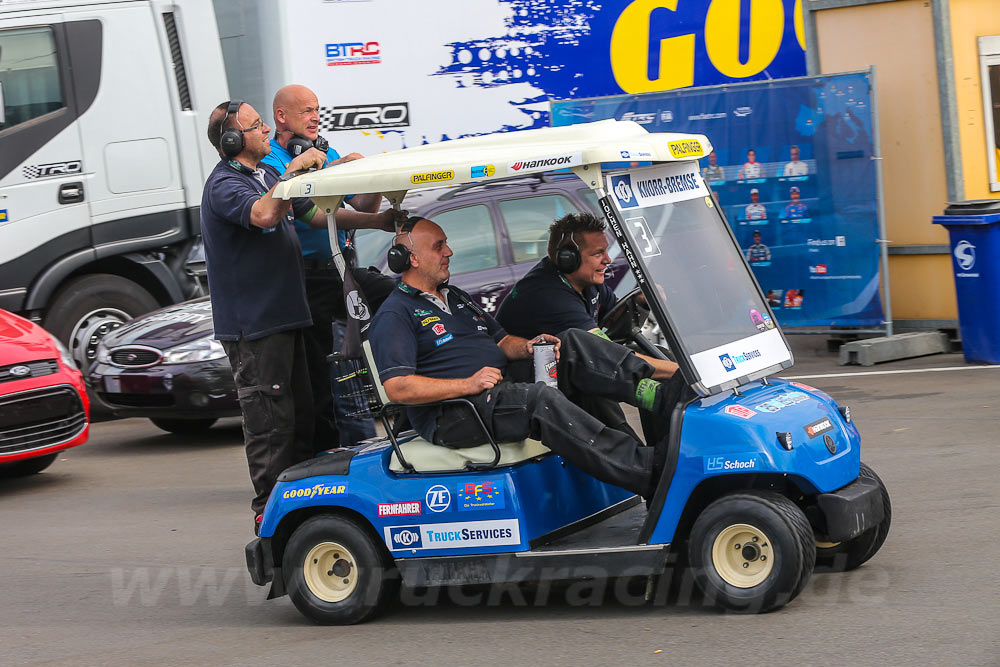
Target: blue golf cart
763 478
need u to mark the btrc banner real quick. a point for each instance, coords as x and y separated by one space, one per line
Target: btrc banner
395 74
792 169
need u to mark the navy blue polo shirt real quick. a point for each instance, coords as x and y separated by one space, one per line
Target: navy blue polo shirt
410 335
254 275
315 241
544 301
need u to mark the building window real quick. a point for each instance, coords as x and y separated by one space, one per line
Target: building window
989 61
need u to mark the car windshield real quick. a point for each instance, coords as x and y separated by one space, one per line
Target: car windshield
699 276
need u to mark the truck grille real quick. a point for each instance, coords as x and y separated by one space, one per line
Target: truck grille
40 418
35 369
135 357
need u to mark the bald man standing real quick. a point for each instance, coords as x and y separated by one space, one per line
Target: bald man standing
296 124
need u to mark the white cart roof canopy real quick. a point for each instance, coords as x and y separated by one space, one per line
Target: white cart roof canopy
495 156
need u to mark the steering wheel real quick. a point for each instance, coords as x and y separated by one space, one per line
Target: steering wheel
623 324
629 313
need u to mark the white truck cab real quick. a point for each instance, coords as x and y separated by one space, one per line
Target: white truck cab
102 158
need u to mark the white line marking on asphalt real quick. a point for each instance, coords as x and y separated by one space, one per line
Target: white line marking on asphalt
911 370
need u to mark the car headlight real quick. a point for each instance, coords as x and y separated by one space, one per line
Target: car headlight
64 354
203 349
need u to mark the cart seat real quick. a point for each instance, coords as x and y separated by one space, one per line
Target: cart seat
425 456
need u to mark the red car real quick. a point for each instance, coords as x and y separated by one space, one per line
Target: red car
43 401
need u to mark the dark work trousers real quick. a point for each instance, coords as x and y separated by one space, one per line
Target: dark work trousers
325 294
272 383
588 365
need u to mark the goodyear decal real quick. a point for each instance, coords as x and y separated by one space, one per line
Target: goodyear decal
315 491
433 177
3 215
686 148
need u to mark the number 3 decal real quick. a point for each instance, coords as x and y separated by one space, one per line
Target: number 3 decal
643 236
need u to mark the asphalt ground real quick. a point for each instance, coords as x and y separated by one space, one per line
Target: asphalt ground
129 551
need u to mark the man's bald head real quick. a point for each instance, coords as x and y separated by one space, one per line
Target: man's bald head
296 110
430 255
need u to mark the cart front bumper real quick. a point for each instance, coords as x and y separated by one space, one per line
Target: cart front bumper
851 510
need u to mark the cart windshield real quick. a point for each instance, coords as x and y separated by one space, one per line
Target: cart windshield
697 275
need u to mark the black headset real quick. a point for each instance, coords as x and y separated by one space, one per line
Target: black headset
398 256
298 145
568 257
231 140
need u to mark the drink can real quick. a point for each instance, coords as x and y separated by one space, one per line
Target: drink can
545 363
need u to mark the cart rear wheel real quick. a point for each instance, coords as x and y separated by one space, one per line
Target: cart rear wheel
751 552
335 572
843 556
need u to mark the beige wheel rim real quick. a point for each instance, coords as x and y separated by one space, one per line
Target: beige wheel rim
826 545
330 572
742 555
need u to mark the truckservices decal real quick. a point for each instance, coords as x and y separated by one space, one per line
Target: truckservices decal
458 535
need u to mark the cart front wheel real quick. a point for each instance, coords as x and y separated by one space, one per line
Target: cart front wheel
335 572
752 552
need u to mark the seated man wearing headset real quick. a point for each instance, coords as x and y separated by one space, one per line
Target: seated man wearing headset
431 342
566 290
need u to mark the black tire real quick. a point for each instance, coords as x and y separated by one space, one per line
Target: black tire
90 306
183 426
850 555
337 599
735 538
27 466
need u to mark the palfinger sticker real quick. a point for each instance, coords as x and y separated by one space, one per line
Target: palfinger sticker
686 148
433 177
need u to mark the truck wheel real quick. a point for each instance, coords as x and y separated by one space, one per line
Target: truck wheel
844 556
752 552
88 307
28 466
183 426
335 572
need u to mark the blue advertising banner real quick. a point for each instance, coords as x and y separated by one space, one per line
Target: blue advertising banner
792 169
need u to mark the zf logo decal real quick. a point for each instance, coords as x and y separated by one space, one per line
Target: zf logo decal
365 117
438 498
54 169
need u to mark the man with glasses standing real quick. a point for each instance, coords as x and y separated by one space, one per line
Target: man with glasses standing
255 277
